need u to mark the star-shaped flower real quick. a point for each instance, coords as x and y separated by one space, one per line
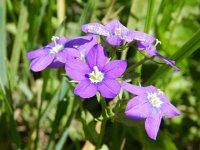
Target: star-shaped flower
150 104
96 74
114 31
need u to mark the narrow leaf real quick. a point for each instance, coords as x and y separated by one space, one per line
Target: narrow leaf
3 76
87 13
150 13
16 50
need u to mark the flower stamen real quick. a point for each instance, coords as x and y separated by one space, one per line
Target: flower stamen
118 31
157 42
154 99
54 39
57 47
96 76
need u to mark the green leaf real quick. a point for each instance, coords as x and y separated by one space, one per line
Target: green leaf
14 132
3 76
89 126
60 27
60 112
19 37
87 13
149 17
163 142
71 110
35 20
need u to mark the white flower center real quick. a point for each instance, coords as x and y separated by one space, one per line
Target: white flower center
118 31
154 99
57 47
96 76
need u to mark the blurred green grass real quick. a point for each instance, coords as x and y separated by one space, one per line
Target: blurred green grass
39 110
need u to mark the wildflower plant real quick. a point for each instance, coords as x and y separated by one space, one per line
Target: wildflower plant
98 73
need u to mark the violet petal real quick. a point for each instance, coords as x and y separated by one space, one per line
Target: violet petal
169 110
115 68
168 61
128 36
137 90
109 88
151 50
37 53
84 49
62 40
97 57
85 89
142 45
67 53
115 24
76 69
41 63
134 102
56 64
152 124
138 108
141 36
95 28
114 40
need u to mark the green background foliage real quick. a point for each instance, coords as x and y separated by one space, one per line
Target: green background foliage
40 111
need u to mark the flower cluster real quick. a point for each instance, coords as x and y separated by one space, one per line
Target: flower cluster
86 61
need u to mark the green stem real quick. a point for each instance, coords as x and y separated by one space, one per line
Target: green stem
131 68
103 125
103 105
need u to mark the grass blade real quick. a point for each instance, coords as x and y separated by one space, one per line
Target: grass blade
44 86
149 18
16 50
60 28
88 10
14 132
35 21
60 112
3 76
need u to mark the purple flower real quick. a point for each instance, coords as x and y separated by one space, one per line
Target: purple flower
53 55
150 104
83 44
96 75
145 42
114 31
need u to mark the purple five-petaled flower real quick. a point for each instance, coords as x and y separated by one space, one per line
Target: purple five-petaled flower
145 42
96 74
114 31
53 55
150 104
